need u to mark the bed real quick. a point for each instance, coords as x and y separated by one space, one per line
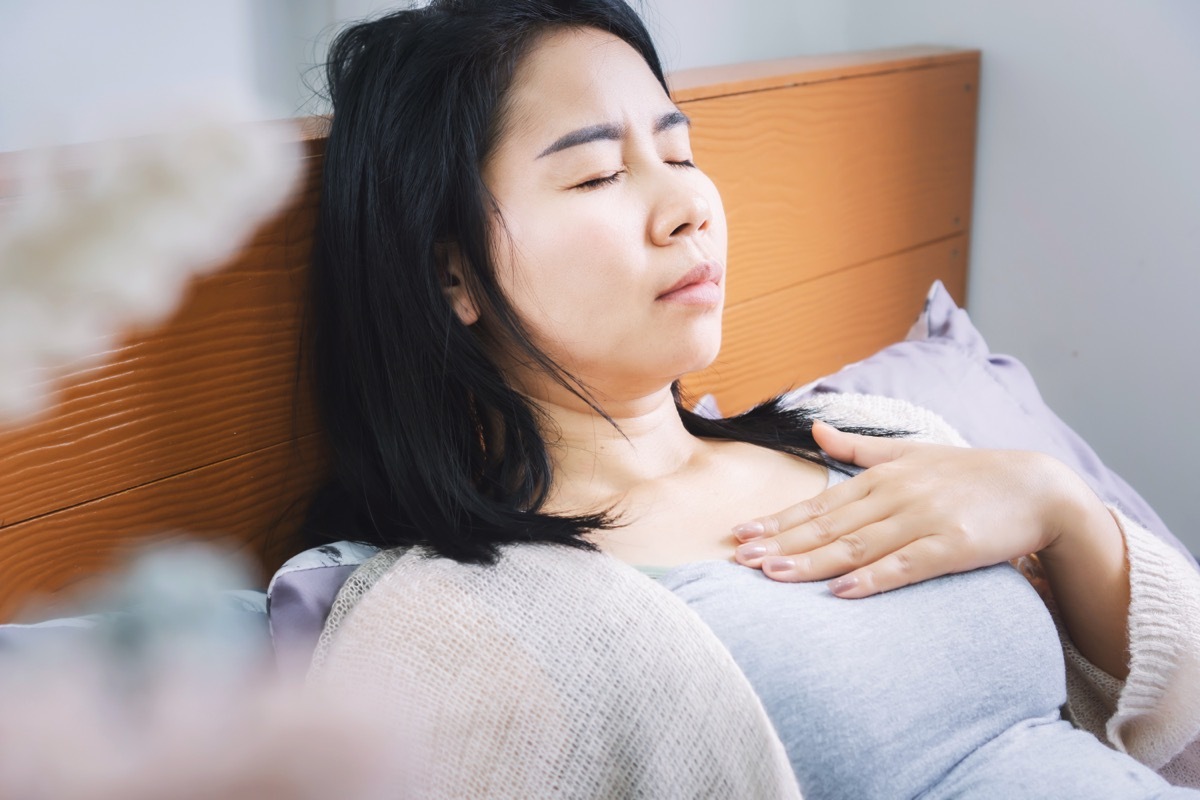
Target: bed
847 181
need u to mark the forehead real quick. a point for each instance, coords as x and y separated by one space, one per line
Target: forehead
576 77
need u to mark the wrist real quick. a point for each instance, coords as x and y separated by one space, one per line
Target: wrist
1087 571
1073 513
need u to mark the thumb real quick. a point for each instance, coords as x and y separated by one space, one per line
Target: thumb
853 448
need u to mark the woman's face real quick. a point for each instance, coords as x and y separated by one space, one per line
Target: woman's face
603 216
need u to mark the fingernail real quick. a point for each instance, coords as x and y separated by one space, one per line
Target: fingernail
778 564
842 584
749 530
753 550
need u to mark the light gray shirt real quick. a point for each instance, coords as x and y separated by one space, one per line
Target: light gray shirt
947 688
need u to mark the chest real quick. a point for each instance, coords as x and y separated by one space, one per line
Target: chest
691 519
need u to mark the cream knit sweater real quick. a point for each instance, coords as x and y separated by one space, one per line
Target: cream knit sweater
569 674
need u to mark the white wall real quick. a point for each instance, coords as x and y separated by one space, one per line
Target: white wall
1085 260
695 34
82 70
1086 249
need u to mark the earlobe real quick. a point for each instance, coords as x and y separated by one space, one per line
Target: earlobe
454 284
463 305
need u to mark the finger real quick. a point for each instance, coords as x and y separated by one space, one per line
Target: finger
853 448
862 546
816 534
925 558
833 498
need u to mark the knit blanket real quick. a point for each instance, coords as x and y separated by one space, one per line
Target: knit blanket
554 673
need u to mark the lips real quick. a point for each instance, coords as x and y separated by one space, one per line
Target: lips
704 272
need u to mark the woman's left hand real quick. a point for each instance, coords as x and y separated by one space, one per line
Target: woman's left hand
919 511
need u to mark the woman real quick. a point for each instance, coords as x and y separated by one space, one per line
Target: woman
516 260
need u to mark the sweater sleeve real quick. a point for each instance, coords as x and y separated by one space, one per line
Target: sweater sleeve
552 673
1154 715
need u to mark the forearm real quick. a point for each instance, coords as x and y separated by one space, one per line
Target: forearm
1088 572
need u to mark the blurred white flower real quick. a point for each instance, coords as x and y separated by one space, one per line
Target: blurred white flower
90 251
173 695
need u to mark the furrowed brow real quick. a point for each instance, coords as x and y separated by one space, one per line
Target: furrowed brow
612 132
592 133
670 120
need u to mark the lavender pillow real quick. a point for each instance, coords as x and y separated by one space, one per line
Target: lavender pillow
945 365
300 595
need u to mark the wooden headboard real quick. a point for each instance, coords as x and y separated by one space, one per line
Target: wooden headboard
847 182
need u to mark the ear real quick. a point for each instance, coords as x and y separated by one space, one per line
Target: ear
454 284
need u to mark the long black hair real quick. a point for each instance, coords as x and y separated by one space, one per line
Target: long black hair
430 444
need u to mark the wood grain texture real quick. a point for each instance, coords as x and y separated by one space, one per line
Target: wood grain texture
214 382
819 177
756 76
249 504
796 335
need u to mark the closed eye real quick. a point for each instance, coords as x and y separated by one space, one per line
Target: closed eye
596 183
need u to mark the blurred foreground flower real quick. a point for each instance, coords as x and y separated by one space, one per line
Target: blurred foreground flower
90 251
175 695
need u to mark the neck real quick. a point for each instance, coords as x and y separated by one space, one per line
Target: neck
594 463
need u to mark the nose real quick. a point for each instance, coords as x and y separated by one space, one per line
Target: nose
682 210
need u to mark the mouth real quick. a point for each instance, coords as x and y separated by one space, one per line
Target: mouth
700 285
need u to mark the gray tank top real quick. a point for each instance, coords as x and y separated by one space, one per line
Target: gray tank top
948 688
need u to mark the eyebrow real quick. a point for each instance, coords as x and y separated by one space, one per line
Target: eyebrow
612 132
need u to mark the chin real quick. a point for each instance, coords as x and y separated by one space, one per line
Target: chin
679 353
699 358
710 348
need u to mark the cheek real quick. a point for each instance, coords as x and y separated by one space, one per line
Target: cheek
569 269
